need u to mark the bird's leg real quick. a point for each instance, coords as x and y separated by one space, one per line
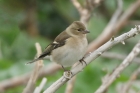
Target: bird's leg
82 61
67 73
64 68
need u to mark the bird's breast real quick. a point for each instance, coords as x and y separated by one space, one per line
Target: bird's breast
73 50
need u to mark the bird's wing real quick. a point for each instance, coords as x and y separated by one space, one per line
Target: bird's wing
58 42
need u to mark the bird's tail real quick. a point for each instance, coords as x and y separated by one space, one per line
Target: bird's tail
33 61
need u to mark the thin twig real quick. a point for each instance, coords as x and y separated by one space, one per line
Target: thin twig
40 87
118 56
108 80
92 56
70 85
86 10
34 76
78 6
133 77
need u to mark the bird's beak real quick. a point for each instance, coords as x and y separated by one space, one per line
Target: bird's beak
86 31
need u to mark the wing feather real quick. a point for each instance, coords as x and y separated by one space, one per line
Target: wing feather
58 42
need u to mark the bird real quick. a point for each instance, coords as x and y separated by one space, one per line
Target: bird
68 47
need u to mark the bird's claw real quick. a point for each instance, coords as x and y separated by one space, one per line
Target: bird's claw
67 74
82 61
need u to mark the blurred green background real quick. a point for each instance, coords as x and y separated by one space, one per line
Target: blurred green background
25 22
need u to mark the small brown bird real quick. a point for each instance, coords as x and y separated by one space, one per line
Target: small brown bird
68 47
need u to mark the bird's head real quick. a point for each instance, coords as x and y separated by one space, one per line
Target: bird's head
77 28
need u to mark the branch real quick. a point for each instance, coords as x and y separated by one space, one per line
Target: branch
86 11
118 56
114 25
21 80
40 87
70 84
31 83
77 6
112 77
131 80
93 56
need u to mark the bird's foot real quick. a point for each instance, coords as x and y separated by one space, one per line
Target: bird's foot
82 61
67 74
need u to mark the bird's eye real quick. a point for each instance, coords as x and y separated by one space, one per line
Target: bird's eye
79 29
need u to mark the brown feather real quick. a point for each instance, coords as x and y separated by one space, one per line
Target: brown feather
58 42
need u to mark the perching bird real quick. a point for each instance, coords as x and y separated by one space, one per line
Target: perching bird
68 47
